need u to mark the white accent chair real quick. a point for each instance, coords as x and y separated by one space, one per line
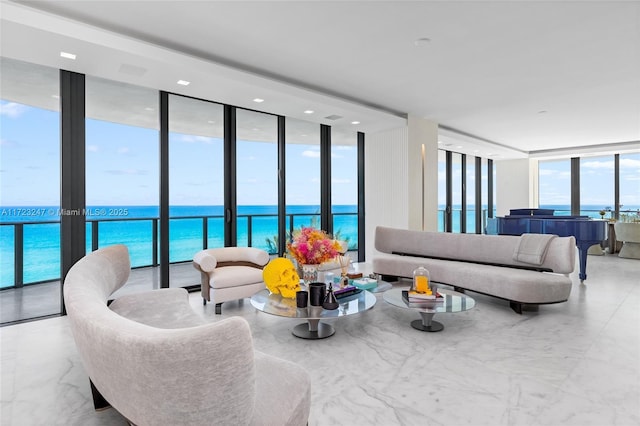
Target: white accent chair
230 273
629 232
156 361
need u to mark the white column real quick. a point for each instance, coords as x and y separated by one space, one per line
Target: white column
422 166
516 185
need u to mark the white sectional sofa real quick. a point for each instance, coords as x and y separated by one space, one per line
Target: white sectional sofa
154 359
481 263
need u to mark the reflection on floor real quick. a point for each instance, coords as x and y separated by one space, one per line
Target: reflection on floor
38 300
571 363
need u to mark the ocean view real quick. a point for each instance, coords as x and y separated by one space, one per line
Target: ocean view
133 226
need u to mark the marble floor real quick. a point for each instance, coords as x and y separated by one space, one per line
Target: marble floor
575 363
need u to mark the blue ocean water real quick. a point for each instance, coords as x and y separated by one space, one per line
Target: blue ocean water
133 226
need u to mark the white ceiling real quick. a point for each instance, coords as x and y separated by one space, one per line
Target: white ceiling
516 78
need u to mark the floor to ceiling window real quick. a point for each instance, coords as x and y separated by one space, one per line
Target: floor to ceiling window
303 174
344 186
630 187
196 181
442 189
29 190
597 182
121 168
484 189
456 192
470 189
256 178
554 186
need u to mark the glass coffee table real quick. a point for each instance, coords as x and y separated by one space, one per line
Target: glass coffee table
275 304
453 302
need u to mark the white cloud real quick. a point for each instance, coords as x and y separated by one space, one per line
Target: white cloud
607 164
126 172
12 109
311 154
92 148
196 139
629 163
340 181
123 150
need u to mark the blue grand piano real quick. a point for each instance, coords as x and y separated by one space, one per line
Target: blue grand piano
587 231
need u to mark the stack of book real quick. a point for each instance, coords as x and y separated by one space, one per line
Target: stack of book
346 291
415 299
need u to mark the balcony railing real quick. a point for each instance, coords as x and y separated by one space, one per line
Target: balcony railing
143 241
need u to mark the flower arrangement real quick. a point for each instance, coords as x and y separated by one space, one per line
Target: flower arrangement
311 246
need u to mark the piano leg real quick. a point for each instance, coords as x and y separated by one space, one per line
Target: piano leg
583 248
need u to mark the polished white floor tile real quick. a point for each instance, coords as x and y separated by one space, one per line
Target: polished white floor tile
575 363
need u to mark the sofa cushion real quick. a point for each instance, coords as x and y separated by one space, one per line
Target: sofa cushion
162 308
234 276
480 248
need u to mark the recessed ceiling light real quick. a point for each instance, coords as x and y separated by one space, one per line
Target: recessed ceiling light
476 150
422 41
459 146
67 55
184 82
439 141
309 111
258 100
149 109
355 122
211 122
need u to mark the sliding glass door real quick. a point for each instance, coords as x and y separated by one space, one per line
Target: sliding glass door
29 191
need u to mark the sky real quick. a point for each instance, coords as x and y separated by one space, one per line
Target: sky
122 165
122 168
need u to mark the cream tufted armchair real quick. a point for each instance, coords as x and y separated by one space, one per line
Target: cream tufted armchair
230 273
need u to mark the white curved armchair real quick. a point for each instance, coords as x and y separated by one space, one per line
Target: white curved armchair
204 373
629 232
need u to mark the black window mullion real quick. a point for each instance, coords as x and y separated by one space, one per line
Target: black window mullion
448 214
463 192
72 172
325 179
230 169
575 186
616 187
361 199
490 188
282 201
164 189
478 200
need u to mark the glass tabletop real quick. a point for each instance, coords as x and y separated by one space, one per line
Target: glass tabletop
275 304
453 301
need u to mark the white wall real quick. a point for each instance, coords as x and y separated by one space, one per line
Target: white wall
423 174
516 185
386 182
395 195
